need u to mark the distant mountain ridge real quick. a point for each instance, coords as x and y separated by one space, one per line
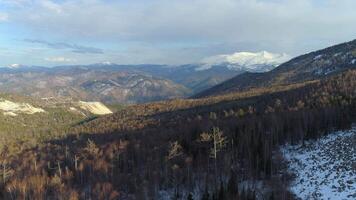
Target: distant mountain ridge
113 83
84 83
311 66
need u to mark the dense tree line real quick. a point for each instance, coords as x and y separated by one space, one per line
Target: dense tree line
219 148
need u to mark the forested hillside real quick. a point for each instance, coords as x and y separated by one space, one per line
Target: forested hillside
108 85
311 66
26 122
177 100
222 147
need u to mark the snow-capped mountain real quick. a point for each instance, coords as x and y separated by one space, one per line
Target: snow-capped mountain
15 66
311 66
111 83
249 61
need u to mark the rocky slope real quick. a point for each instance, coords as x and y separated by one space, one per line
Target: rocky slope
13 109
96 108
14 105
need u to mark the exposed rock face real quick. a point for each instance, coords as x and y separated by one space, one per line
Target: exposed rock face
10 108
96 108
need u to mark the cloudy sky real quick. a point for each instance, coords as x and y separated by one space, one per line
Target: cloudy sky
58 32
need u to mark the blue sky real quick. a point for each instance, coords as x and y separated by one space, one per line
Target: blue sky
50 33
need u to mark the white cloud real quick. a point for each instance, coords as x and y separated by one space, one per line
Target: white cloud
170 27
182 19
51 6
4 17
60 59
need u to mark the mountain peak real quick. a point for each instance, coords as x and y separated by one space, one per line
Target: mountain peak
248 60
107 63
15 66
311 66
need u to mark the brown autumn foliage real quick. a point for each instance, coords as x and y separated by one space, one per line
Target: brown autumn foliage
124 156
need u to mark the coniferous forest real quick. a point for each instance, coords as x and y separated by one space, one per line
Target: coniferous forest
177 100
221 147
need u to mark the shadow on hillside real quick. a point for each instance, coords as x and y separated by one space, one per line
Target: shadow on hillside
168 119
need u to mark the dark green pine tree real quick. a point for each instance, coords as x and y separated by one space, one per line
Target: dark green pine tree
176 195
271 197
221 192
206 195
232 187
190 196
243 194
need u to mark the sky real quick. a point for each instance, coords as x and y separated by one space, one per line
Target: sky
61 32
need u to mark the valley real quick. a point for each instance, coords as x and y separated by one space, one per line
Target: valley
129 84
226 145
232 144
177 100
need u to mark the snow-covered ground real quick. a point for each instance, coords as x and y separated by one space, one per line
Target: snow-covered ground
324 169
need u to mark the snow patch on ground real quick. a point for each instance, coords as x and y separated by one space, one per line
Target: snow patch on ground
96 108
322 71
318 57
324 169
13 109
337 54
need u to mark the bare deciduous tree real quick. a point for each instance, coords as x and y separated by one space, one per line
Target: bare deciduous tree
175 150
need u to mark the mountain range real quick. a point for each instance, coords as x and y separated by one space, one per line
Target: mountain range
113 83
236 140
311 66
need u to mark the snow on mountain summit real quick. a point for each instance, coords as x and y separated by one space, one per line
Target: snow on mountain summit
15 66
246 60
